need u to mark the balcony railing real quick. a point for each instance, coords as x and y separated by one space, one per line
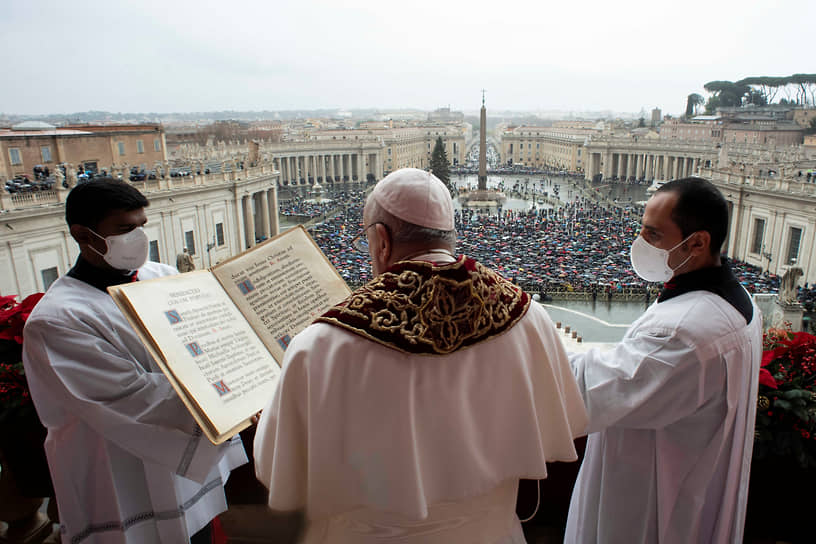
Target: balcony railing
32 199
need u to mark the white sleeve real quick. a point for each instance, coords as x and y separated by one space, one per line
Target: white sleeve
281 447
648 381
79 373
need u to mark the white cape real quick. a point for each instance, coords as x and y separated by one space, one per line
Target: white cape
354 424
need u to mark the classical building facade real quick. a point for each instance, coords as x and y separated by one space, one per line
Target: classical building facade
326 161
215 216
772 219
90 147
545 147
628 157
331 156
703 128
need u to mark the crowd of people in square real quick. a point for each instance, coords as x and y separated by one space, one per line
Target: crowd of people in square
581 246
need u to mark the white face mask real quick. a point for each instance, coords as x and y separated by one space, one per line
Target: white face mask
126 251
652 263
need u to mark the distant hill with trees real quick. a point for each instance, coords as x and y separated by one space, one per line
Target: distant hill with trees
798 89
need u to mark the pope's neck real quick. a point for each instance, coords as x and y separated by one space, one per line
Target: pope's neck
436 255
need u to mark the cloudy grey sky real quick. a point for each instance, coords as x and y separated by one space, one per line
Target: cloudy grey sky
62 56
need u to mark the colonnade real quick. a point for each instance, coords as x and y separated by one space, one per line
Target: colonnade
648 166
310 168
259 215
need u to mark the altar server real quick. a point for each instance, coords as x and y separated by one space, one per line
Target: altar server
671 408
128 462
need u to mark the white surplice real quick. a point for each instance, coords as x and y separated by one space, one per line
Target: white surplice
381 446
674 406
128 462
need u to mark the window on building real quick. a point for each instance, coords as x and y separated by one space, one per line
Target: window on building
189 241
794 239
139 146
153 247
759 235
219 234
14 156
157 145
46 153
49 276
121 146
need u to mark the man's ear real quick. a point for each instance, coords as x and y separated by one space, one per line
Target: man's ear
700 243
81 234
384 247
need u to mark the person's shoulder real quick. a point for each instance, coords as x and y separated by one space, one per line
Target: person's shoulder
156 270
64 297
697 314
319 336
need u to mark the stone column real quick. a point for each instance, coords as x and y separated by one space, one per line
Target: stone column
273 211
265 214
342 167
361 167
249 221
619 169
289 169
676 167
313 167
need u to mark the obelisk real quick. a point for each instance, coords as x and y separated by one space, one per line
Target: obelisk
483 146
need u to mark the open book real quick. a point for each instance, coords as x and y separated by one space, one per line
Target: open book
219 335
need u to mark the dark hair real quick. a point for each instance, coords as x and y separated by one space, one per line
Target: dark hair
90 202
699 206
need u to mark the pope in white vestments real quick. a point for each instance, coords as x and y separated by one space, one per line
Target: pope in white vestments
409 412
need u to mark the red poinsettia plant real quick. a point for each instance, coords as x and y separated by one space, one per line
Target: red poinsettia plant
14 395
786 404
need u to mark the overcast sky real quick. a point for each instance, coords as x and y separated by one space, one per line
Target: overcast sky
61 56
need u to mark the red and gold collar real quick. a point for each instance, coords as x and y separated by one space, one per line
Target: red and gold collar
420 307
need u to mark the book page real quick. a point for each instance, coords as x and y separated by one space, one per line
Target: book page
281 286
205 342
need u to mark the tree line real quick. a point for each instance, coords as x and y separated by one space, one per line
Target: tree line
797 89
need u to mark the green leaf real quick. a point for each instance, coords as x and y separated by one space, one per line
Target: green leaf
797 394
801 414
